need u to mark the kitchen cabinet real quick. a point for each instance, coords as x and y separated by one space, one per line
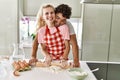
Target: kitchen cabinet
101 39
96 19
113 72
114 54
8 25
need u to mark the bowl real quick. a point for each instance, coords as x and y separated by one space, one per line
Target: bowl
77 73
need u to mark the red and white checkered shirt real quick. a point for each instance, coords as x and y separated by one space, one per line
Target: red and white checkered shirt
54 43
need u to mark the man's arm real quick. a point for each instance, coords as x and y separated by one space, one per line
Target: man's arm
75 50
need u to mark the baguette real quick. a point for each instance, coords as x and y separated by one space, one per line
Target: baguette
41 64
22 65
16 66
26 64
16 73
59 64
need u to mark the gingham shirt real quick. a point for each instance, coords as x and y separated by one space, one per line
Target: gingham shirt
55 41
64 31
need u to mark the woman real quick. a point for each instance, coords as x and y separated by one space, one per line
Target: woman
54 40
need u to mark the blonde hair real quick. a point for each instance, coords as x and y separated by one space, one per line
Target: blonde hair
39 21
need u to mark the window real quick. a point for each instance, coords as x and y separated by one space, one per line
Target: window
27 27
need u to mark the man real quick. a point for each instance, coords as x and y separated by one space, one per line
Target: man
63 12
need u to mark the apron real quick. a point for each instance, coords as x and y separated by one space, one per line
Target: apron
54 43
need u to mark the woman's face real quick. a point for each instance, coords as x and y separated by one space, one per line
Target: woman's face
49 15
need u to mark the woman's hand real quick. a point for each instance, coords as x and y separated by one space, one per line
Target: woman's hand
33 61
64 63
48 60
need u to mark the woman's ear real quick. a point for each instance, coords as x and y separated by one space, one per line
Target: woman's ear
41 18
42 21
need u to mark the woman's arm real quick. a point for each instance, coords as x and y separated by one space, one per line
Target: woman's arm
44 50
66 36
67 49
48 58
65 54
35 47
34 51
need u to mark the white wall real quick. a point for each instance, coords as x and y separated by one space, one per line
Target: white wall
31 7
8 24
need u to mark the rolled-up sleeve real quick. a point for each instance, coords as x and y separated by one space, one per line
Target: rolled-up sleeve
41 33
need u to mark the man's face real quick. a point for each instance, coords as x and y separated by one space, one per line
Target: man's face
60 20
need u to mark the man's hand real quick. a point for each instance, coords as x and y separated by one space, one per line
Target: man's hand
76 64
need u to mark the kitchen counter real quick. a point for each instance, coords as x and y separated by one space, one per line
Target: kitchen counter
38 74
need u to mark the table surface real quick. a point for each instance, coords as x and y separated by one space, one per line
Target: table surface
38 73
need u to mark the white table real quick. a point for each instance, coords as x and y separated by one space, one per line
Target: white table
38 74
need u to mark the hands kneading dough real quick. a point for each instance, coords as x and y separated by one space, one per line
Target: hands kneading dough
64 65
41 64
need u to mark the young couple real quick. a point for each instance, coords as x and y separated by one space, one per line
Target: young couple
55 34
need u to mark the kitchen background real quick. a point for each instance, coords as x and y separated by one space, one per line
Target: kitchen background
97 28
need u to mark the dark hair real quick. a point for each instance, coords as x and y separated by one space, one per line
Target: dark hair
64 9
